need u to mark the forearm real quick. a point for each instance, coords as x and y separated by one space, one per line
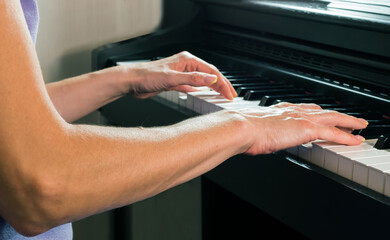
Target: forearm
139 162
104 167
78 96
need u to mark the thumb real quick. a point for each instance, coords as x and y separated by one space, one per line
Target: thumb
196 79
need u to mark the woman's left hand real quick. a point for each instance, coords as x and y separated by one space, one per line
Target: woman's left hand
181 72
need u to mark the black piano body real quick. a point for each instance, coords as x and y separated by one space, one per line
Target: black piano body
331 51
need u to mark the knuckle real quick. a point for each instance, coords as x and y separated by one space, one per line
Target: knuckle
213 67
315 106
333 114
334 131
185 55
310 105
283 104
286 104
296 115
194 77
307 129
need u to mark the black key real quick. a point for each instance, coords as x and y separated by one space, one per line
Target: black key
373 131
378 121
241 77
233 72
242 81
250 85
335 105
346 110
259 94
270 99
227 69
306 100
368 115
241 91
383 142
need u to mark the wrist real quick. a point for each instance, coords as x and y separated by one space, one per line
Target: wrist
115 79
242 130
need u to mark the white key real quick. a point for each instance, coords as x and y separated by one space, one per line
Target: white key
201 100
192 97
182 100
376 175
360 168
200 91
347 159
122 63
292 150
214 108
207 102
163 95
318 151
331 155
387 184
174 96
238 105
305 151
190 101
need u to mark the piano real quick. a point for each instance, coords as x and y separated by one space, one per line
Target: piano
332 53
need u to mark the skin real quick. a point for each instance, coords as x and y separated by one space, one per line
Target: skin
46 162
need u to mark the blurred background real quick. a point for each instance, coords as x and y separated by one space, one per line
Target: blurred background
70 29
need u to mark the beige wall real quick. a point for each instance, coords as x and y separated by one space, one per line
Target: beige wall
70 29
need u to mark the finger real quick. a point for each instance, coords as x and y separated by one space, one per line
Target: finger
347 130
282 105
196 79
233 91
222 86
185 88
333 118
336 135
309 106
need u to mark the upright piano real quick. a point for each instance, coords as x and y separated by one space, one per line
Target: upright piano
332 53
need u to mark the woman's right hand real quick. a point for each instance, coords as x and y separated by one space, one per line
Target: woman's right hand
287 125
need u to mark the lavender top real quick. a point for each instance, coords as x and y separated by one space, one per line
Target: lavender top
30 9
63 232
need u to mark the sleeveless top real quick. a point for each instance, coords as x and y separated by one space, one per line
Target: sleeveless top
63 232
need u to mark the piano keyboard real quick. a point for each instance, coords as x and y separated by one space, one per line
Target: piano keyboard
367 164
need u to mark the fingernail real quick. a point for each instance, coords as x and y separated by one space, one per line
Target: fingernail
363 121
235 94
211 79
360 138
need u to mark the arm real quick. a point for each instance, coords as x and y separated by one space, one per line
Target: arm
52 172
78 96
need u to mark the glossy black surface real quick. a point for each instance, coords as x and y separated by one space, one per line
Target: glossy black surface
383 142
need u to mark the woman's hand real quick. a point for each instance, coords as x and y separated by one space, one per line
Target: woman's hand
287 125
181 72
